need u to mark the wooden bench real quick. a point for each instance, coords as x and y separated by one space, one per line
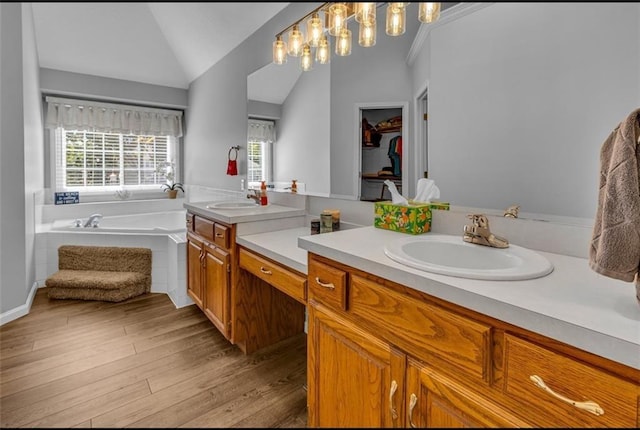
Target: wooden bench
104 273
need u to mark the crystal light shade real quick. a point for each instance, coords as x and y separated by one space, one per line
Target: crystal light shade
279 51
365 12
314 30
323 51
337 18
295 41
367 33
306 60
429 12
343 42
396 16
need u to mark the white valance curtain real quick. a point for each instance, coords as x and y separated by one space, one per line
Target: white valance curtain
73 114
261 131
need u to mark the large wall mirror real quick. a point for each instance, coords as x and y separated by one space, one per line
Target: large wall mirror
520 98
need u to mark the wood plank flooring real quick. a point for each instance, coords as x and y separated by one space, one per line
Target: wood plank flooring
142 363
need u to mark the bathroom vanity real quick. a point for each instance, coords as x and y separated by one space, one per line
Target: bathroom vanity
407 348
393 346
253 301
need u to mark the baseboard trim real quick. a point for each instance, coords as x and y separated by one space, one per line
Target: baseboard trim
22 310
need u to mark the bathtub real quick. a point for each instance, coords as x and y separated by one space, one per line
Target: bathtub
148 223
163 232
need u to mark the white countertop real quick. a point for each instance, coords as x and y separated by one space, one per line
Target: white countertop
242 215
280 246
572 304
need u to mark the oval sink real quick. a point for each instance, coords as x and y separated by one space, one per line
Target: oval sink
450 255
233 205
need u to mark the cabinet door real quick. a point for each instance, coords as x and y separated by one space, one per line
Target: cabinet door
434 400
194 270
216 287
354 379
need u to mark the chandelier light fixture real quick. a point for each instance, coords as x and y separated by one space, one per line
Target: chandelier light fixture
330 20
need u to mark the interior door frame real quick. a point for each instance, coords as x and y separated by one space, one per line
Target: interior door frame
421 134
406 145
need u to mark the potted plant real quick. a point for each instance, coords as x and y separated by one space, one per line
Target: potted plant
172 189
167 169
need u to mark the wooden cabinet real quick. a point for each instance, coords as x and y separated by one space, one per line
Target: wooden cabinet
563 391
217 265
433 399
270 301
355 379
209 266
195 256
384 355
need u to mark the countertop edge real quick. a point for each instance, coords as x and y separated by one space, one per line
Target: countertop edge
604 345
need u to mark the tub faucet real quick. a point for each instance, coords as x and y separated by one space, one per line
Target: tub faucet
93 220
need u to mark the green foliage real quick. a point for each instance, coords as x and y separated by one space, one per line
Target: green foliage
173 186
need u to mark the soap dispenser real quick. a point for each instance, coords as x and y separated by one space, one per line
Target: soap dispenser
263 193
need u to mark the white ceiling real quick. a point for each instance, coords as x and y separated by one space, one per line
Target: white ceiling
167 44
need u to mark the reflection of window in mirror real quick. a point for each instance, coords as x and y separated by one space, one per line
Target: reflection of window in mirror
260 137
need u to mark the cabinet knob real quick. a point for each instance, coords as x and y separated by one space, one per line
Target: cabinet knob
589 406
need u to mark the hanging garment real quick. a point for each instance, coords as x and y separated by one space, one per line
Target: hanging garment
615 244
394 156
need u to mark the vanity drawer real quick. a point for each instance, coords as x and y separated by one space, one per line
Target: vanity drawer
327 284
573 389
274 274
221 235
429 332
204 227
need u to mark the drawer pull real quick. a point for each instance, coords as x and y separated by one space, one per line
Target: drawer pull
322 284
219 235
412 404
392 392
588 406
265 271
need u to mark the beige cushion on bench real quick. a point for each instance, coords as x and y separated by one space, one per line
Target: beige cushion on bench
100 273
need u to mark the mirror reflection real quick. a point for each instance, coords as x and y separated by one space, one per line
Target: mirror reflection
515 115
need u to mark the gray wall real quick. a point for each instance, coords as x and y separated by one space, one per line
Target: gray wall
19 120
301 150
521 98
369 75
33 138
217 116
78 84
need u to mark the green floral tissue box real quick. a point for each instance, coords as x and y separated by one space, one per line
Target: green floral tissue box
412 219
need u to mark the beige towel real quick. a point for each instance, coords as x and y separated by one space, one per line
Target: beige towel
615 245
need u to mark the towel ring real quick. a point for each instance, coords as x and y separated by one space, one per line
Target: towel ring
233 148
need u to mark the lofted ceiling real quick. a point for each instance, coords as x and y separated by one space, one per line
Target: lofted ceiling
168 44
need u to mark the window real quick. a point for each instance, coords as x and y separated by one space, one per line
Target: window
260 138
95 161
99 148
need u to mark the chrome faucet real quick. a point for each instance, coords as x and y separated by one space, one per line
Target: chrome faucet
93 220
255 196
478 232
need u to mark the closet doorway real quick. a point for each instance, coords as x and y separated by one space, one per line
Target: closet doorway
382 141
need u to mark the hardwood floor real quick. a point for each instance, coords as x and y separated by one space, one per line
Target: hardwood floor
142 363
